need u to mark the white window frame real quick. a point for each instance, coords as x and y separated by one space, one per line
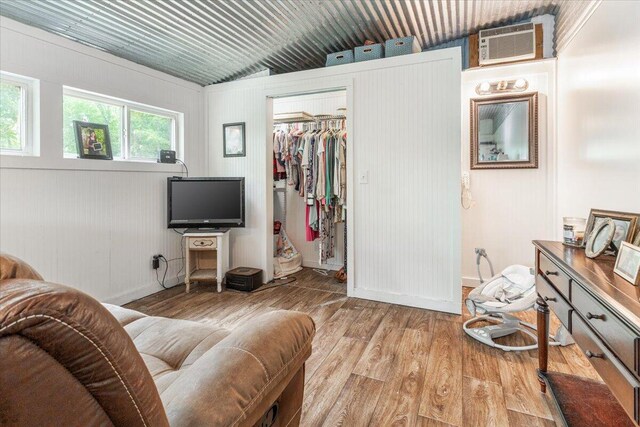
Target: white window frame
176 120
28 111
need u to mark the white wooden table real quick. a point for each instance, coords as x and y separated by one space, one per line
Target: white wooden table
206 257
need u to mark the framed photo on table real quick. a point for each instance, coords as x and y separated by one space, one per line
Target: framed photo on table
234 140
628 263
625 223
93 140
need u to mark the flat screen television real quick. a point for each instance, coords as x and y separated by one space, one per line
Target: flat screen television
205 202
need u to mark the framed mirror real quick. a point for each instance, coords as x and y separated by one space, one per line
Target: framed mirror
504 132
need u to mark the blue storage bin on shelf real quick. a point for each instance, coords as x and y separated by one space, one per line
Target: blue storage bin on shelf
402 46
372 51
339 58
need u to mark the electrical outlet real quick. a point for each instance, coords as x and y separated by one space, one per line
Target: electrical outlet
156 262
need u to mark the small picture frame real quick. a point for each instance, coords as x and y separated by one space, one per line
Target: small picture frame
93 140
234 140
625 225
628 263
600 238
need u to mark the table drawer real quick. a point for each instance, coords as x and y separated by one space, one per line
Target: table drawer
202 243
622 384
556 302
555 275
620 338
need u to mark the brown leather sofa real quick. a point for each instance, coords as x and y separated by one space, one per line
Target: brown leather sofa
66 359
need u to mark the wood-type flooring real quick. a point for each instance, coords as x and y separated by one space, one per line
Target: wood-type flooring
377 364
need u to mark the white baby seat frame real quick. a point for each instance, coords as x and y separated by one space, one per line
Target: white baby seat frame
511 291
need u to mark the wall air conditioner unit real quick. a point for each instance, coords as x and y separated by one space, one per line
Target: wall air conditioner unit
507 44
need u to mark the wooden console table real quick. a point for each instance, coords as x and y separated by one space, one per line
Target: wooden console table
602 312
207 257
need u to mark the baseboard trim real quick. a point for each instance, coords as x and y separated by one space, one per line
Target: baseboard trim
409 300
314 264
142 291
470 282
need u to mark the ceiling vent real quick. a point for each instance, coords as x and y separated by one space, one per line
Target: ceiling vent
507 44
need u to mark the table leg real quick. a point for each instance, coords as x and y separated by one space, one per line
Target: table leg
219 267
543 340
225 254
187 263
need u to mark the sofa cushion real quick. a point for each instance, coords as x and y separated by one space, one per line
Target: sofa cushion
14 268
167 345
209 375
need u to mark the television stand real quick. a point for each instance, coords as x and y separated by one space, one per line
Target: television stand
206 256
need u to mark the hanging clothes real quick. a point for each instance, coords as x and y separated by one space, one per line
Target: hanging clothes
279 171
314 163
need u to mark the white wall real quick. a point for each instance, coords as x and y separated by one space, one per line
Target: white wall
403 124
318 103
513 206
598 114
91 224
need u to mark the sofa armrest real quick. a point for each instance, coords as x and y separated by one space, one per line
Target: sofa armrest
238 379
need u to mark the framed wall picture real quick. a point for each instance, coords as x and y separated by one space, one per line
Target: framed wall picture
625 224
234 140
93 140
628 263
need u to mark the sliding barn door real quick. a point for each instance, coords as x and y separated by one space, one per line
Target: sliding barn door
407 192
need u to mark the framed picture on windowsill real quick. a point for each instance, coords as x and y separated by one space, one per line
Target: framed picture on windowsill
93 140
234 141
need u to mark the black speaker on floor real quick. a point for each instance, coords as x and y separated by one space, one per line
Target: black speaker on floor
244 279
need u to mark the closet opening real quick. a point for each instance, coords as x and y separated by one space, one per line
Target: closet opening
310 147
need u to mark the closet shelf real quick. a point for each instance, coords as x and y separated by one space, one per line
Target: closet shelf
302 117
295 117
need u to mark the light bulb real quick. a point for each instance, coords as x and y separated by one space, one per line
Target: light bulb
485 86
520 83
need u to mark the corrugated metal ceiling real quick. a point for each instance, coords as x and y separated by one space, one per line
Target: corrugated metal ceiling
211 41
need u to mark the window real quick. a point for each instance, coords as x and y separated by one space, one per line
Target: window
16 101
137 132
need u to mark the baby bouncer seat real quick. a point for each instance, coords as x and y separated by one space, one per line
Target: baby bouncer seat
511 291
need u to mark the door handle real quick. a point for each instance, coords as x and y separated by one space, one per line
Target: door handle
551 273
550 299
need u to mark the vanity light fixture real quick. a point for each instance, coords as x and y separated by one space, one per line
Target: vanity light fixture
502 86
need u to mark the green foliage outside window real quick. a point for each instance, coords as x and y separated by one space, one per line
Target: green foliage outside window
85 110
148 134
10 105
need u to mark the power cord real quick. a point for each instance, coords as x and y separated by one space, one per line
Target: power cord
164 276
166 262
185 166
181 251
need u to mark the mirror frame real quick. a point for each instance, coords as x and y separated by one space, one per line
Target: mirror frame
533 131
